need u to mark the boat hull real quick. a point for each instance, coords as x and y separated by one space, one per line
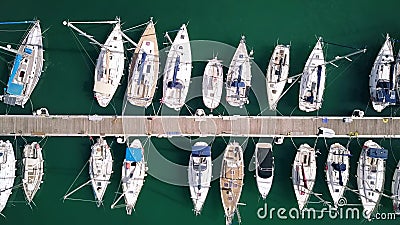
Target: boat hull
336 174
212 84
231 179
303 174
382 79
7 172
264 168
27 68
237 90
100 169
370 178
33 170
312 83
109 67
177 71
199 175
277 74
133 174
143 69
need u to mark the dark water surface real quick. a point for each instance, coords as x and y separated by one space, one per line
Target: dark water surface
67 82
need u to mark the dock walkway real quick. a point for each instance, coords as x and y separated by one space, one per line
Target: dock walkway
169 126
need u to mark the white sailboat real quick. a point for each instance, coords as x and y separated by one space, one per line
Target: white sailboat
277 74
177 70
133 174
231 179
382 78
100 169
312 83
7 172
238 81
27 66
143 69
396 190
371 176
33 170
213 83
199 174
337 171
264 168
303 174
110 63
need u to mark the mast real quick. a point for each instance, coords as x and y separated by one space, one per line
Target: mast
9 49
345 57
18 22
90 37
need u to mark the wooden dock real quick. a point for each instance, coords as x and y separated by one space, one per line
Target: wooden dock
169 126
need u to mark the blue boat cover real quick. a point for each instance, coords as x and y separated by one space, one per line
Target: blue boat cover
133 154
141 66
13 88
339 167
384 92
174 83
201 151
380 153
28 51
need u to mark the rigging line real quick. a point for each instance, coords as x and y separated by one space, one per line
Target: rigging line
345 69
293 143
326 144
279 112
116 193
134 27
154 110
80 46
188 108
112 104
76 178
345 46
45 138
159 108
24 139
30 101
315 143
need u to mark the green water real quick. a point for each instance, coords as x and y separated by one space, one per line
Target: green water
66 88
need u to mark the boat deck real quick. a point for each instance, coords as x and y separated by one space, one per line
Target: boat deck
168 126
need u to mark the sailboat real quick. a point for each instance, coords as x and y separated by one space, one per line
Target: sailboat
27 67
100 169
264 168
143 69
177 70
7 172
231 179
382 78
33 170
337 171
238 81
133 174
371 176
277 74
303 174
212 83
110 63
199 174
312 83
396 190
